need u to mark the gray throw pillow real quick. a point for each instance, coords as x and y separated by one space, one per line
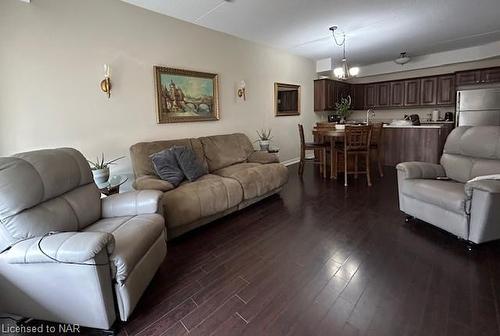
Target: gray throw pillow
189 163
166 167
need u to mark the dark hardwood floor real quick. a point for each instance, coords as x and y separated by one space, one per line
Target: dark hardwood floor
321 259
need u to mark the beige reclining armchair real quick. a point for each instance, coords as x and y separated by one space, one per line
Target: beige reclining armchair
65 254
467 208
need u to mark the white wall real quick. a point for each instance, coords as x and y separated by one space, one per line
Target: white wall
51 58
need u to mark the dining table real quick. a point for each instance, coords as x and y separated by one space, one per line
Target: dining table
335 135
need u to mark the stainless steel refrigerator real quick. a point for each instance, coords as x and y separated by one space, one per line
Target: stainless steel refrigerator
478 107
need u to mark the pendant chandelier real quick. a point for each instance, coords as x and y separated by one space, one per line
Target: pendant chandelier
343 72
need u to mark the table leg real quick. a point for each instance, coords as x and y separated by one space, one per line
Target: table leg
332 158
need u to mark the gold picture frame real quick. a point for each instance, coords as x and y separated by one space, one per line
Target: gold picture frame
286 99
186 95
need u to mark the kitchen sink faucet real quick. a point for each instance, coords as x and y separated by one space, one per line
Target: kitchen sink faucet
369 113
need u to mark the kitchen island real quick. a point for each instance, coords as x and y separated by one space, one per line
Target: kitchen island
414 143
411 143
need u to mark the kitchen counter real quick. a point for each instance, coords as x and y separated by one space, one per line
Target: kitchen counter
438 122
412 126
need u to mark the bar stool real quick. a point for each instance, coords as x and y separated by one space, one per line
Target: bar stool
376 145
321 147
357 141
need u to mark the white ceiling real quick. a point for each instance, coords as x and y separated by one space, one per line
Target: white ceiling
377 30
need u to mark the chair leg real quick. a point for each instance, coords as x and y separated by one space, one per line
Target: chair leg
335 164
333 160
379 161
368 178
355 166
345 168
321 158
325 156
301 164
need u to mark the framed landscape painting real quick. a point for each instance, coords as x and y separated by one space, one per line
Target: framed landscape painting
184 95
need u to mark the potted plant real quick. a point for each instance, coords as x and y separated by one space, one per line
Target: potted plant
264 139
343 108
100 169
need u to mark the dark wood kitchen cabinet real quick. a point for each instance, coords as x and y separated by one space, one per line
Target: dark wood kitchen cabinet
412 92
342 90
370 95
428 91
397 93
483 76
439 90
324 95
489 76
446 90
328 92
358 96
383 94
468 77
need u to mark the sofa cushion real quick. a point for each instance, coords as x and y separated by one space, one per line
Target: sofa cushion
225 150
208 195
166 166
256 179
140 152
134 236
191 167
449 195
263 157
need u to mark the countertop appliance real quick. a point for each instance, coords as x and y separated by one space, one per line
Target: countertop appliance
414 119
448 116
477 107
333 118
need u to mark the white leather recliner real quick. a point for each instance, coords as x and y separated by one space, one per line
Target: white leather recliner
66 255
468 204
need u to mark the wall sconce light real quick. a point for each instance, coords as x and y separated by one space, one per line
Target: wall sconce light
241 91
106 82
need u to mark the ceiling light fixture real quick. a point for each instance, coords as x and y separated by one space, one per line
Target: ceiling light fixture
343 72
403 59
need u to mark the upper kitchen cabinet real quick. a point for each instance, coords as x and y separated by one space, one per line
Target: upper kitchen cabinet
342 90
328 92
412 92
324 95
468 77
446 90
383 94
370 95
428 91
358 96
483 76
397 94
490 75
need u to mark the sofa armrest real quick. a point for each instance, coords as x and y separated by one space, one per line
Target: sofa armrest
65 247
489 186
131 203
263 157
149 182
420 170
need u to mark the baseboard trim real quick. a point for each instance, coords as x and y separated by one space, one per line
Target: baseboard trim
291 161
294 160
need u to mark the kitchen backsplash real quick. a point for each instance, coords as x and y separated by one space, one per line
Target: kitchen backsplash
389 115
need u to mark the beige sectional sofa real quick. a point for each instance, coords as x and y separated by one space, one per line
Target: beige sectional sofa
238 176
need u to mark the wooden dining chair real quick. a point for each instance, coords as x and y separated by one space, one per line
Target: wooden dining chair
377 146
319 147
357 140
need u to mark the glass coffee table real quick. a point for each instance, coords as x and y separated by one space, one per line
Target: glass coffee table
113 185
